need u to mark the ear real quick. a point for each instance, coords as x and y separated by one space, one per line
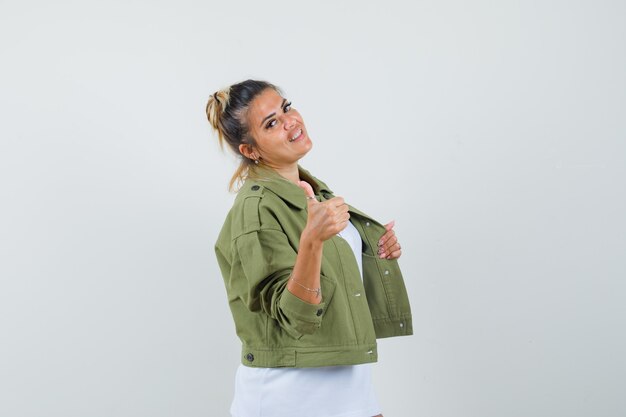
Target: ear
247 151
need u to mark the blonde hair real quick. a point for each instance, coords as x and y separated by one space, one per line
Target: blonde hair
226 111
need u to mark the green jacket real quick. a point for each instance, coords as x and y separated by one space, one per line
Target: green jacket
256 251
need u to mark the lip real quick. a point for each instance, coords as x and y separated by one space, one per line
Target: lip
299 138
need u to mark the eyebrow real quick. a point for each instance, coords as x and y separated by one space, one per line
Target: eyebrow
273 114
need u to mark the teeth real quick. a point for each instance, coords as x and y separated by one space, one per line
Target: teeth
296 136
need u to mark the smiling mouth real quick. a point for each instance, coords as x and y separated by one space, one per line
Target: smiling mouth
296 136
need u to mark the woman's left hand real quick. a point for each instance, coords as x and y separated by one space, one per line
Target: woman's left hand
388 245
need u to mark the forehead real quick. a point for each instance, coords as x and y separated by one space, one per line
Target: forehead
266 103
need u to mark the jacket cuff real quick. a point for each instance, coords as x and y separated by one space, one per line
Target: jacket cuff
307 317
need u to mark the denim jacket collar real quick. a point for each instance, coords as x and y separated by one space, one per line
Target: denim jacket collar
287 190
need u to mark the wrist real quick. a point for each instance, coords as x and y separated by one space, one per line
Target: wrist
309 240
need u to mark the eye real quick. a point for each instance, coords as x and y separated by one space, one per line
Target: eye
270 124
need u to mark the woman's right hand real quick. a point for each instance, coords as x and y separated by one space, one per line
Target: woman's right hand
325 219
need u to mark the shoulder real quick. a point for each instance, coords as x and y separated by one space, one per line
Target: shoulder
252 209
251 189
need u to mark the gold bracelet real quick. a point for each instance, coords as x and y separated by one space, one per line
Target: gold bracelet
317 291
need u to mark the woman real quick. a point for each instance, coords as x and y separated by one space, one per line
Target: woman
311 281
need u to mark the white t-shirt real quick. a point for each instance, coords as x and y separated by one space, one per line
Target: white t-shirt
329 391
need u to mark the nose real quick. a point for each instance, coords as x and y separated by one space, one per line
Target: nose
289 122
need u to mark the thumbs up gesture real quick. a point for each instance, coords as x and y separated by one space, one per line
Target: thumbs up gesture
325 219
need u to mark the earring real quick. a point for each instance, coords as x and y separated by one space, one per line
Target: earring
256 161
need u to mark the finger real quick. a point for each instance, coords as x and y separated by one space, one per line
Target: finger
395 254
384 251
341 226
342 217
386 237
389 245
336 202
342 208
391 253
308 191
390 225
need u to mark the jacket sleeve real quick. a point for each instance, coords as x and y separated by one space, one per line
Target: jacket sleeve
261 264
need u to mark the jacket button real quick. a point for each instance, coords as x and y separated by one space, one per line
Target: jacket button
255 187
367 224
319 312
250 357
386 272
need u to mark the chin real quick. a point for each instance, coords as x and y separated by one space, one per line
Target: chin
309 146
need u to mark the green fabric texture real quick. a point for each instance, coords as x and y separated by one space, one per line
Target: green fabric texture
256 251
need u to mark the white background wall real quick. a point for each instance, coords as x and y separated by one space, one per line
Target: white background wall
493 132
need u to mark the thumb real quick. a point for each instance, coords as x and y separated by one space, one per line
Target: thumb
308 191
390 225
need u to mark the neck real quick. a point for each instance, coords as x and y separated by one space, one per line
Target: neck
290 172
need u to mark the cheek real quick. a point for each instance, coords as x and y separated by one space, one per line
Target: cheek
261 141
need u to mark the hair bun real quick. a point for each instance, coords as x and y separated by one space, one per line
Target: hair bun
216 106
